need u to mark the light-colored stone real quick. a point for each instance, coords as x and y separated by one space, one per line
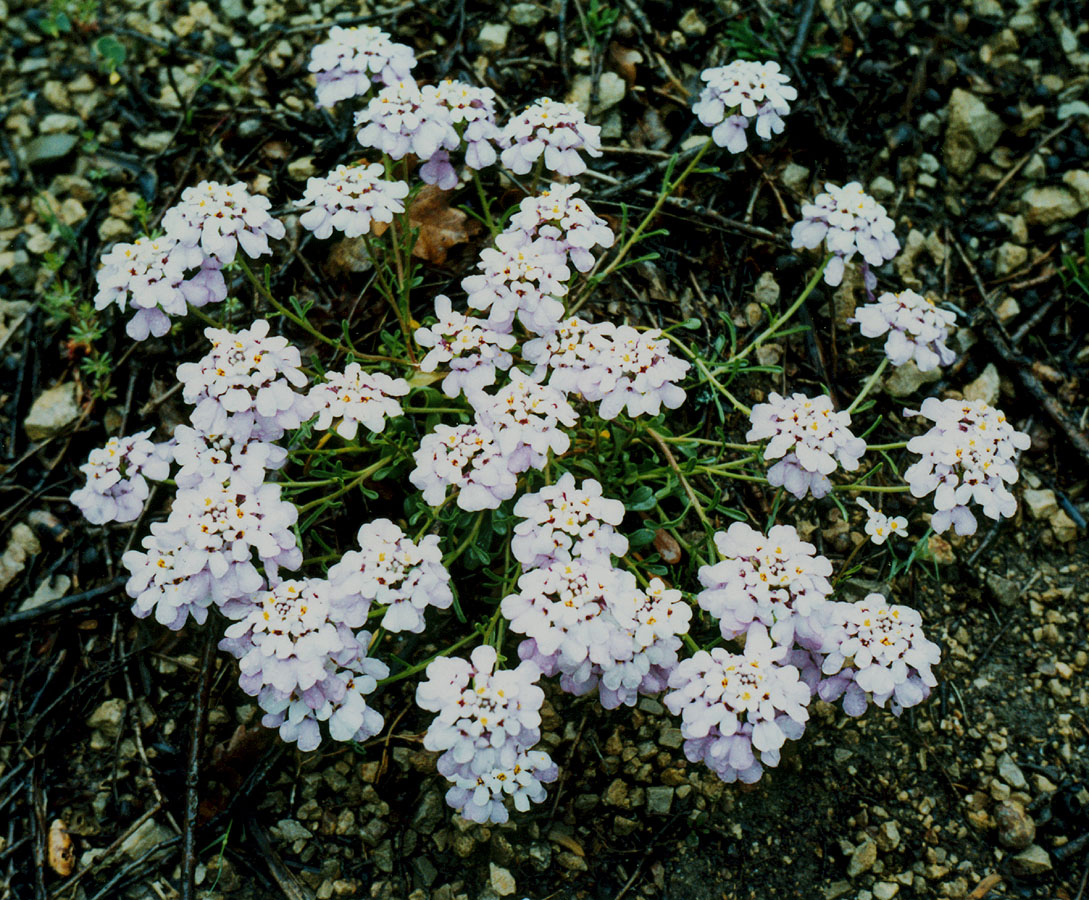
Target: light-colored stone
1049 204
862 859
1033 860
888 836
882 188
795 178
885 890
1064 528
501 880
766 292
692 25
48 147
145 838
108 717
985 387
493 36
527 14
1016 829
22 544
1078 181
1008 258
610 91
972 129
659 800
47 591
1007 310
290 830
1011 773
52 412
1041 503
907 379
57 123
1072 108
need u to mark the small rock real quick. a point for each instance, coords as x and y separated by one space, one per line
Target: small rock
985 387
863 858
1078 181
692 25
501 880
48 147
616 794
528 14
47 591
610 91
659 800
671 737
885 890
289 830
1016 829
972 129
493 36
52 412
301 168
888 836
795 178
940 550
108 717
22 544
882 188
144 838
1072 108
1005 591
1049 204
1033 860
766 292
1008 258
1011 773
1064 528
153 141
907 379
55 123
1008 310
430 813
836 890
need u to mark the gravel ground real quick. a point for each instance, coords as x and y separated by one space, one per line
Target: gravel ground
969 120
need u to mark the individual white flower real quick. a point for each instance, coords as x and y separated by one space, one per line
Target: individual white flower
556 131
969 455
633 372
349 199
468 345
350 60
392 571
558 215
402 120
149 276
809 436
740 92
777 580
917 329
879 526
167 580
848 220
523 279
561 521
737 710
219 458
879 653
247 377
219 218
354 397
468 457
526 418
117 476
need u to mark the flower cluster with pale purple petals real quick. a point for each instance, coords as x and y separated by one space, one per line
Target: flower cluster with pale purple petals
917 329
739 93
351 60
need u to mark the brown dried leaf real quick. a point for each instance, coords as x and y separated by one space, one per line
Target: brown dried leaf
559 834
441 227
667 547
625 59
60 853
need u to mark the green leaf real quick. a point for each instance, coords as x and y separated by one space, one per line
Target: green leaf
641 500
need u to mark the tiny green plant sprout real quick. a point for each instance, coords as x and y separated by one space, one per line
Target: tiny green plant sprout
529 454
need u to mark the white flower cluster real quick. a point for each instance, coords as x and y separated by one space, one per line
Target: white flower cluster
351 60
616 366
583 618
808 437
353 397
848 221
486 724
777 580
740 92
473 350
738 710
968 456
465 456
350 199
116 485
875 651
556 214
554 131
917 329
159 278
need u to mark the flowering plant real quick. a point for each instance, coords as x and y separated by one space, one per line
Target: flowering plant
523 520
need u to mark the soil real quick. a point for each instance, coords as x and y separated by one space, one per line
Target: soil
96 708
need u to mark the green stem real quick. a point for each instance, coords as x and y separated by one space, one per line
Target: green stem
668 454
464 545
877 489
359 479
425 410
868 386
485 203
899 445
419 667
734 402
774 328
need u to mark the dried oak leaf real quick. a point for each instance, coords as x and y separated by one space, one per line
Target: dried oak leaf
441 226
667 547
59 851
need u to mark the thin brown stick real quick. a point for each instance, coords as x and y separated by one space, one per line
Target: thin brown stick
192 774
